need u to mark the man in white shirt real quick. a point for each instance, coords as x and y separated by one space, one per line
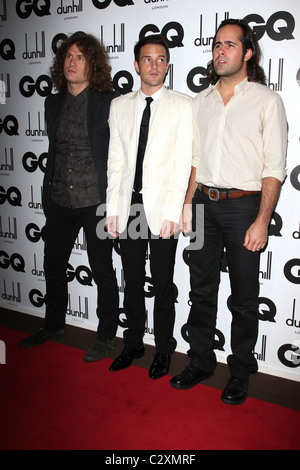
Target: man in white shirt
240 138
157 191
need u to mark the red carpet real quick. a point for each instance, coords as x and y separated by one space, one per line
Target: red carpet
51 399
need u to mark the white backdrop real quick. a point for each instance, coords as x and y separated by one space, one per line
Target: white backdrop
30 31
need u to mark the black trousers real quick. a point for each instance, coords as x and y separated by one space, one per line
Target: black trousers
61 229
225 224
162 259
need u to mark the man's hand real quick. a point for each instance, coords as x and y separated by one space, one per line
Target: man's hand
186 219
256 236
112 225
168 229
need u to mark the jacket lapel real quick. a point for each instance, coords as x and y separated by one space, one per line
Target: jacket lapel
157 118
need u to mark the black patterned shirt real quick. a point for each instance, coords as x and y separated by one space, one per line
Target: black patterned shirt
75 183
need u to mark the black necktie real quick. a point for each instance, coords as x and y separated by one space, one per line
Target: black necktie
142 145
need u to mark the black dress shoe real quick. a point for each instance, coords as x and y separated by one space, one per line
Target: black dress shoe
126 357
235 392
189 377
43 335
160 365
99 350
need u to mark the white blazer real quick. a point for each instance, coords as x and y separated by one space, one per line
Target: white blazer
167 161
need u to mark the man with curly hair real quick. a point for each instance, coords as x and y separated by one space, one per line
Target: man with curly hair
75 184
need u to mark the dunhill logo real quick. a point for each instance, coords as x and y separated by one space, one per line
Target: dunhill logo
122 285
207 41
115 47
79 313
2 92
148 329
170 77
35 271
276 86
70 9
80 244
8 164
35 205
292 321
35 132
262 355
40 50
3 11
11 231
267 274
15 294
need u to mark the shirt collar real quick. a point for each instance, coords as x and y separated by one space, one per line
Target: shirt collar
241 87
155 95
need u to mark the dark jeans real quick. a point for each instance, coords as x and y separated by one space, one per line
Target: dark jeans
61 229
162 259
225 225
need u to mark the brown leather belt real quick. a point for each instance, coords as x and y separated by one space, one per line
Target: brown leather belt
215 194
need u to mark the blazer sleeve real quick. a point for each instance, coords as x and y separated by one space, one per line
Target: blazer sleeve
115 163
182 161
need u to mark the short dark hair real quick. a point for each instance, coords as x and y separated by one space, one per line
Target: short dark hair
151 39
249 40
99 70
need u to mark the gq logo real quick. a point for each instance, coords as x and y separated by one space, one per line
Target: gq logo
24 8
101 4
289 355
201 83
10 125
292 270
173 40
16 261
31 162
123 82
295 178
34 233
12 195
7 49
82 274
42 86
36 298
277 34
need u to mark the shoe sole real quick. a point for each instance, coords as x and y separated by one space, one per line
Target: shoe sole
23 344
102 355
230 402
138 356
158 376
180 387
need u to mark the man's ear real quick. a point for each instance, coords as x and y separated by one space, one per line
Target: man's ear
136 66
248 55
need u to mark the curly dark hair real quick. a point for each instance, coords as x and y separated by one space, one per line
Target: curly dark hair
99 70
255 72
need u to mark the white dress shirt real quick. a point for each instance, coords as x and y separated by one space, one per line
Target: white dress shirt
141 106
238 144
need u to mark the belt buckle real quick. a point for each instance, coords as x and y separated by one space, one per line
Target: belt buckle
213 194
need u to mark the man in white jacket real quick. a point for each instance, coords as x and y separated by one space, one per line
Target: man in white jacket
158 191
